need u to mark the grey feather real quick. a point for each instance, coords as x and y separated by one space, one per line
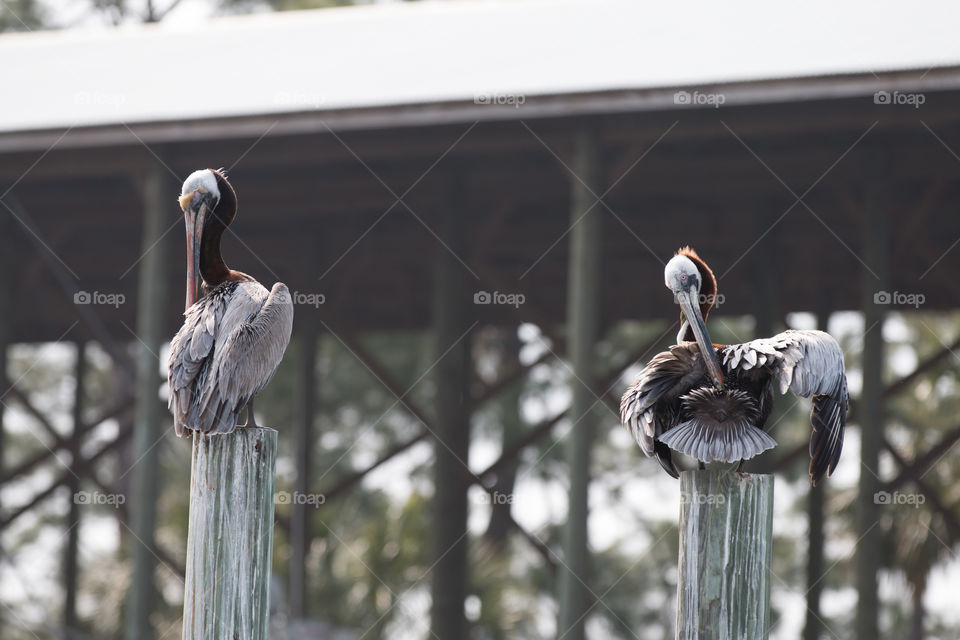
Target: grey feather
228 349
808 363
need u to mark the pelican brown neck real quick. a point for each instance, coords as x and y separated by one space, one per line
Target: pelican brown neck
708 289
209 205
212 268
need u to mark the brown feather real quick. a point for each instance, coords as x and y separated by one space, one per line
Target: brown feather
708 286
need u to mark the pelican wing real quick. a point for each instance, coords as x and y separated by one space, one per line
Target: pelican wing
227 350
651 405
808 363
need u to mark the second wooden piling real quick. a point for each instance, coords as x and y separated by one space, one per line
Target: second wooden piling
726 538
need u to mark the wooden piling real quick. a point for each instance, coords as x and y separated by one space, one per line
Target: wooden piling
230 538
726 538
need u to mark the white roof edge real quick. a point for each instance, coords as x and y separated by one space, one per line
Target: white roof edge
665 99
357 64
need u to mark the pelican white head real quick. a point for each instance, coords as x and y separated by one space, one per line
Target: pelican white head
199 195
681 274
202 181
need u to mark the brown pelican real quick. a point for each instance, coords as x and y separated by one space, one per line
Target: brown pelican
712 401
234 336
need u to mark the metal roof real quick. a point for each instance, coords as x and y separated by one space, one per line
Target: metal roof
431 53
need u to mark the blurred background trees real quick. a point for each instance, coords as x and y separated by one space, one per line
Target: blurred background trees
367 566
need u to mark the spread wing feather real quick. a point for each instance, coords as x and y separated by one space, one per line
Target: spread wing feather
808 363
229 347
651 405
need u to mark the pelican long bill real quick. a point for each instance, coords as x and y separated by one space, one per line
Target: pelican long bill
193 219
692 312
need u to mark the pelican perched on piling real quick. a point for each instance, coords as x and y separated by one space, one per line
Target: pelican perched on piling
712 401
233 337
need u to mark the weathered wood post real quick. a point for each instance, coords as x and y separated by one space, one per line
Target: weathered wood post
230 538
726 538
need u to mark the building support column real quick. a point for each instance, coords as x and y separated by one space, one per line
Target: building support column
870 408
450 575
813 626
583 304
6 312
152 308
70 568
299 521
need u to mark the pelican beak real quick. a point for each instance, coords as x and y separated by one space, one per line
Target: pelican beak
194 214
691 310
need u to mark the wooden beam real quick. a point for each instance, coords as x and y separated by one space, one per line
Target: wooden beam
29 464
947 513
912 471
506 379
583 319
20 396
6 312
152 307
902 384
448 547
70 563
874 278
66 281
61 480
299 520
382 375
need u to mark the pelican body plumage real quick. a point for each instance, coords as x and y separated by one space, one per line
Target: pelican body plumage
235 331
712 401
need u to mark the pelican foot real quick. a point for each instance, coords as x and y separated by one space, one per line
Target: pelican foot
251 423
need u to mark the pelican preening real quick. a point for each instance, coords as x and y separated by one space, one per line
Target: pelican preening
712 401
234 336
